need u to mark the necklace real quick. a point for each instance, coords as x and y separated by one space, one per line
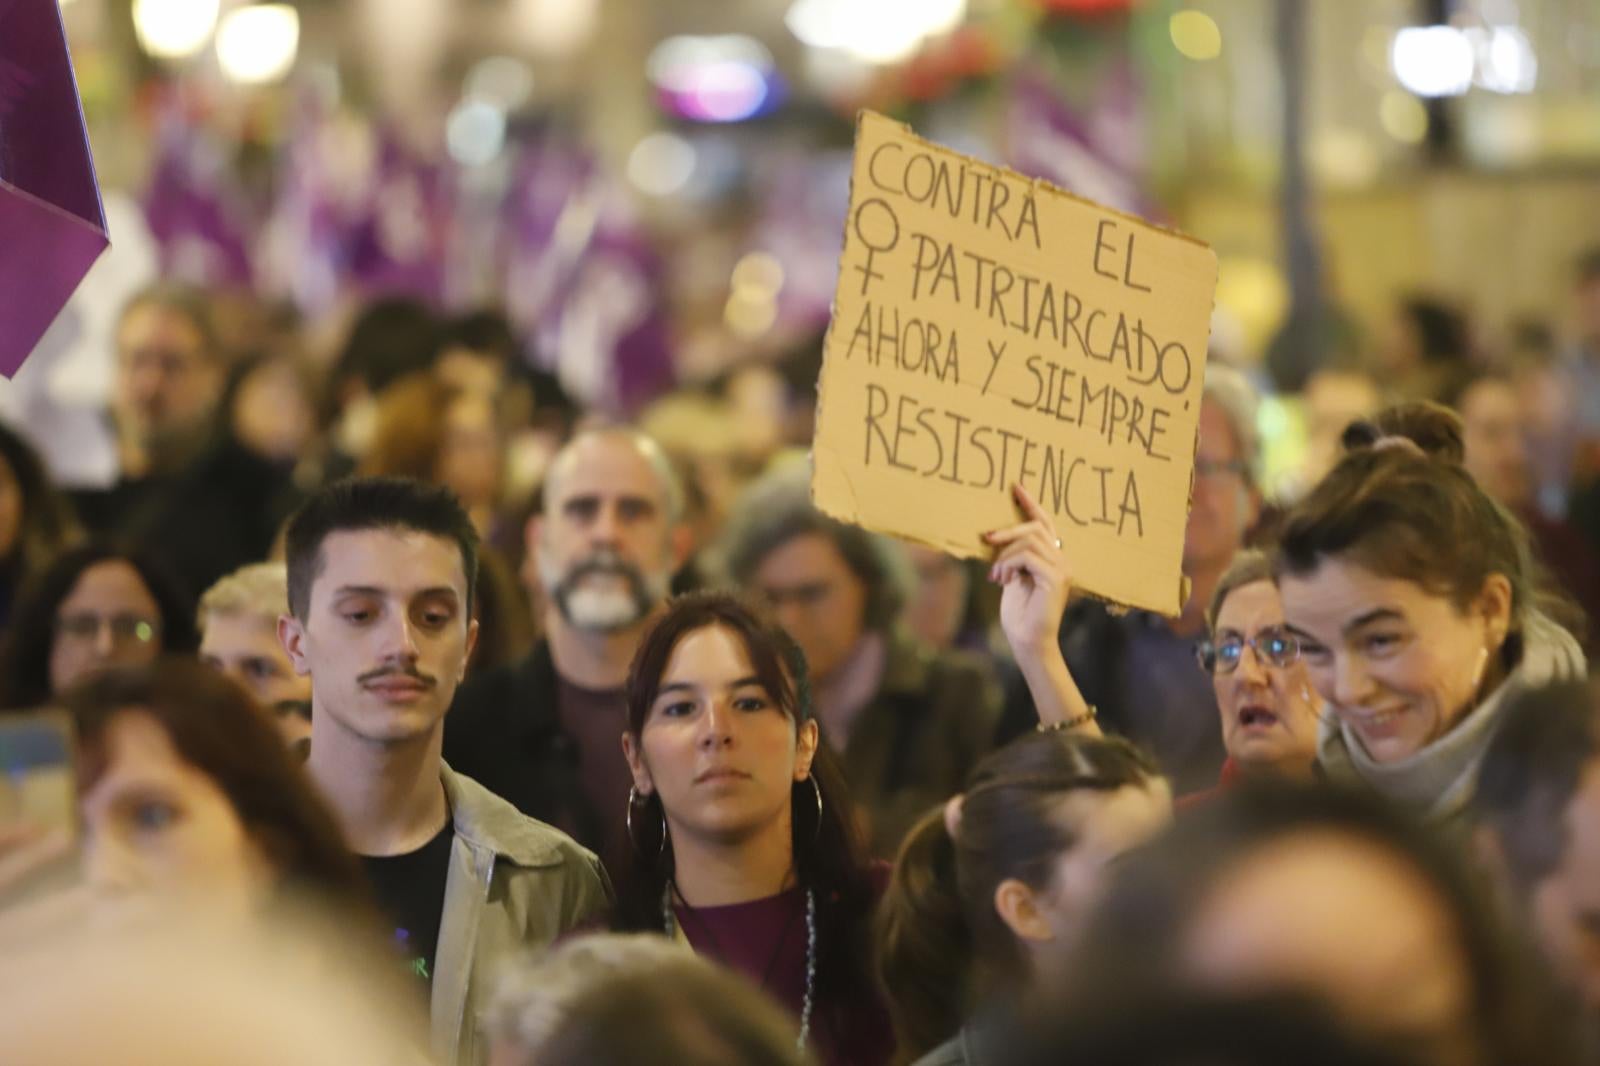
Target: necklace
669 924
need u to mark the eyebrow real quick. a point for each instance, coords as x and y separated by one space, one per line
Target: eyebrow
684 686
1377 614
374 590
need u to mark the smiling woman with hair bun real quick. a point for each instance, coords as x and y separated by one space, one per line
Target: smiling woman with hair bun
1412 597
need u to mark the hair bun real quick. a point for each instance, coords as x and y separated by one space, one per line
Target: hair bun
1434 429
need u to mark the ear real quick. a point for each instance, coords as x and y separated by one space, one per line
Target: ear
1017 907
636 765
805 750
472 642
292 635
681 541
1494 604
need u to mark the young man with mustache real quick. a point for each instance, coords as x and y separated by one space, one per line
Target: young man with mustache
381 574
545 732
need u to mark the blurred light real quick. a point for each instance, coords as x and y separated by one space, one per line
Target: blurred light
1403 117
758 273
724 78
1432 60
661 164
501 80
750 316
1506 63
1346 157
557 27
173 29
257 44
876 31
475 132
1195 35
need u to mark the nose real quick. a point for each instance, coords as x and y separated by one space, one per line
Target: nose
607 527
108 865
1351 683
401 640
105 644
1251 670
717 726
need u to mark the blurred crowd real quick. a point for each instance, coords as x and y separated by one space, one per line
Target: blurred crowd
421 714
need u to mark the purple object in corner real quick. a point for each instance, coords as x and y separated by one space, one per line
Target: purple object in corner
52 227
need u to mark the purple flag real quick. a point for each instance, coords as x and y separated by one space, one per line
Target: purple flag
52 227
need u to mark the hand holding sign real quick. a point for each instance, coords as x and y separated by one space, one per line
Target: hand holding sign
1033 570
989 331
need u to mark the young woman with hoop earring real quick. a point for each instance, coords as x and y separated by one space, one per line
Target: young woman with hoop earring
744 844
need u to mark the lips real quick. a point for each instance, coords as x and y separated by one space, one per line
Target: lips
1256 716
720 774
397 688
1380 722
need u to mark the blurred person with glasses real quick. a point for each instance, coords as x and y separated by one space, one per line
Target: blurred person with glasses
1138 667
1269 713
95 607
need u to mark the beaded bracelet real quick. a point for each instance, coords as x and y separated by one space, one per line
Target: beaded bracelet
1071 723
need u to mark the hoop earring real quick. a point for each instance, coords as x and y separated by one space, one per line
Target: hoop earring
816 788
633 799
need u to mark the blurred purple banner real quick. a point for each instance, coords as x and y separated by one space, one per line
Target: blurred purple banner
52 227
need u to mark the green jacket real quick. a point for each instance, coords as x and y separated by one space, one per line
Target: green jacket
910 749
514 884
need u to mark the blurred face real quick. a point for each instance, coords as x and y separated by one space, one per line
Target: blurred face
1269 713
1344 920
166 381
1497 454
480 374
109 618
246 648
716 746
158 828
272 416
1107 826
1397 664
1333 400
386 636
471 457
604 544
1566 905
934 613
10 509
1224 506
816 598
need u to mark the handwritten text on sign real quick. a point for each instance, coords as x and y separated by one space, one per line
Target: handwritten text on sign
989 329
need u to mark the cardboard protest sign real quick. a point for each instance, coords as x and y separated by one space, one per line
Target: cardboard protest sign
52 227
989 329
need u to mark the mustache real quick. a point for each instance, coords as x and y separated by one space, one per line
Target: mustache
395 671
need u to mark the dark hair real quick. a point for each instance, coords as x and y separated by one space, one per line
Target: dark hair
393 336
1410 513
1144 921
48 523
1441 329
1548 737
829 856
939 935
368 503
219 730
684 1013
25 649
777 509
484 332
1587 267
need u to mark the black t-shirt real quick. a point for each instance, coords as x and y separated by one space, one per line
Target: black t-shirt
410 891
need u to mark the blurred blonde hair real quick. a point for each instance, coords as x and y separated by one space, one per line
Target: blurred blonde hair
260 589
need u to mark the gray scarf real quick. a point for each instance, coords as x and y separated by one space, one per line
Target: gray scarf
1437 782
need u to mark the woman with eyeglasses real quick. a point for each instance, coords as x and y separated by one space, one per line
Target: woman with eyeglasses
95 607
1270 714
1411 595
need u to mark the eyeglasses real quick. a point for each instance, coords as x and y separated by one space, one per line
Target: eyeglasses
126 629
1275 647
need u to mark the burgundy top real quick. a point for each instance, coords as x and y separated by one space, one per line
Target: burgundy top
765 940
1231 776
